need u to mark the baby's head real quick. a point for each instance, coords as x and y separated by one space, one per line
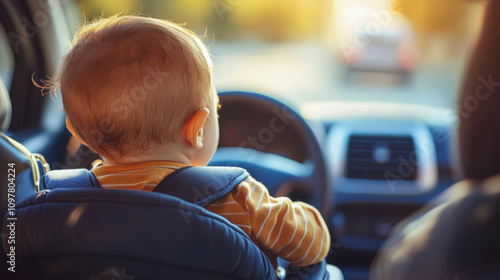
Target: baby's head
137 89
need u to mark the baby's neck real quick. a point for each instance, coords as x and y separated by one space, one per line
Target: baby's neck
174 154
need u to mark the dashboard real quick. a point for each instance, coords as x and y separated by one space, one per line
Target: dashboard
384 163
382 170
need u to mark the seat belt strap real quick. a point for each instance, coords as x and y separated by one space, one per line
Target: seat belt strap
202 185
69 178
199 185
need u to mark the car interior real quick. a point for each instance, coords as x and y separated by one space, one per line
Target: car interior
367 141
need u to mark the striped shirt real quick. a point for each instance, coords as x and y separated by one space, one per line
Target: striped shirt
294 231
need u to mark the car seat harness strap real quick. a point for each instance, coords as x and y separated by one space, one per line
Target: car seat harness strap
201 185
195 184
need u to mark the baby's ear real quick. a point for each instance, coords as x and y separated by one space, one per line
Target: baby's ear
193 130
72 130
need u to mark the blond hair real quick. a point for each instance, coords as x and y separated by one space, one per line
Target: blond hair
130 83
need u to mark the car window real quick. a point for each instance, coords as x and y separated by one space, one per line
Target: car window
6 58
402 51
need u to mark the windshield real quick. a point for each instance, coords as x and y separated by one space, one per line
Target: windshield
409 51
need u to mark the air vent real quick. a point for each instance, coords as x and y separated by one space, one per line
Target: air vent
381 157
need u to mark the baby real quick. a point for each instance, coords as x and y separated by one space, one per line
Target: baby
139 92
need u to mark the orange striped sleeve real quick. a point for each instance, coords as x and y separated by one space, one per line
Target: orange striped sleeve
230 209
294 231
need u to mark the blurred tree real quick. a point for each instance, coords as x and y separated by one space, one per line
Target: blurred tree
194 13
452 17
443 28
105 8
276 20
279 20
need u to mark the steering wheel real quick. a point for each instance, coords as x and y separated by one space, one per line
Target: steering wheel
251 152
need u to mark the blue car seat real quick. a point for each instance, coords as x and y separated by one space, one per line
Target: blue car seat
73 229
